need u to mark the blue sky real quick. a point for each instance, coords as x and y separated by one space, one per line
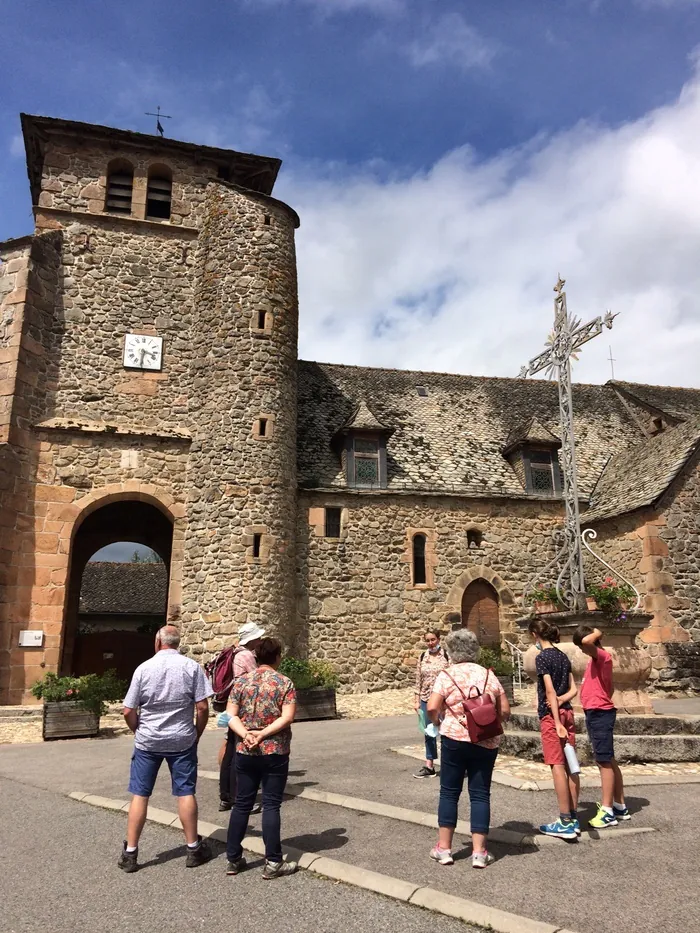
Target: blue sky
448 159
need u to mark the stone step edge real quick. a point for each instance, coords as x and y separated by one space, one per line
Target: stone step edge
511 780
480 915
503 836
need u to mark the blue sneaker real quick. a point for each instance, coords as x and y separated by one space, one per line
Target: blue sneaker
602 819
560 830
622 813
577 827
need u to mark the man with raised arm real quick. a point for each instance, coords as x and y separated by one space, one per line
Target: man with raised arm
167 708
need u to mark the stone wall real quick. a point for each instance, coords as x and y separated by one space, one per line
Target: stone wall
84 431
75 179
357 607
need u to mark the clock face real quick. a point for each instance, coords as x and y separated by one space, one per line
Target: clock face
141 351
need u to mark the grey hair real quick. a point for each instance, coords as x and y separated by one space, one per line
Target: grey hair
462 646
170 636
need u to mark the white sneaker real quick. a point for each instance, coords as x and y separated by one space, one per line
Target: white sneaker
443 856
482 859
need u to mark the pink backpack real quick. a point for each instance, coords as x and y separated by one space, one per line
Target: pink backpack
220 673
480 712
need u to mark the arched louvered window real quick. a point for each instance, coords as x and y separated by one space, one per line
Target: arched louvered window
159 193
419 576
120 186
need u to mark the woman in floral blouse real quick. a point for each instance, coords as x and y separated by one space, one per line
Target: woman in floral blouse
262 707
433 660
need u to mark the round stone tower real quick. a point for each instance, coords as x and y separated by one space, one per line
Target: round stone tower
239 547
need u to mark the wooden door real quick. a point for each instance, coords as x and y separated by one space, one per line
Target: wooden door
480 612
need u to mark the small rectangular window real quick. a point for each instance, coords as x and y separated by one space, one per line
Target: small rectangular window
261 320
262 430
257 538
266 221
332 529
363 445
422 391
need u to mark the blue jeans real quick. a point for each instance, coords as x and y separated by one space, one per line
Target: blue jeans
251 771
430 741
146 765
457 760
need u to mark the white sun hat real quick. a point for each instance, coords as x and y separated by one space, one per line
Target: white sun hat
249 632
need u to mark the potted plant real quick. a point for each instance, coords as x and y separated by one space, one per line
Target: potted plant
315 683
546 599
611 597
502 666
73 705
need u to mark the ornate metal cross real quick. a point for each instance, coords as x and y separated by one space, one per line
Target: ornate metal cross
567 337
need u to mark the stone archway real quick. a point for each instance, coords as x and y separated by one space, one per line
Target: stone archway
86 536
502 593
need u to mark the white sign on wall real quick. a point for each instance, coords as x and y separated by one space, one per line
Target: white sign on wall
31 639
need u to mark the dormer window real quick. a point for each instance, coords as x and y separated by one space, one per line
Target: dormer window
532 452
542 472
365 461
363 440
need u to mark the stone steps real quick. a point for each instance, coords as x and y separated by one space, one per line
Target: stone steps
21 713
525 743
625 725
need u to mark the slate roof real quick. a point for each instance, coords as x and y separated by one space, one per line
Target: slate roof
115 588
531 433
677 402
452 439
363 419
639 475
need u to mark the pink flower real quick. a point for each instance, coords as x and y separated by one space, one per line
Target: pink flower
69 693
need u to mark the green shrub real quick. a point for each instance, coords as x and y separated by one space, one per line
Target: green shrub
306 674
498 660
92 691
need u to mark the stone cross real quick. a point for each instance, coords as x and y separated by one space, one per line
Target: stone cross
564 342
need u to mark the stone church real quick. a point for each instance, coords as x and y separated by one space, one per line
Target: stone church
150 392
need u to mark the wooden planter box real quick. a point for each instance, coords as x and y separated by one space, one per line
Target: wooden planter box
316 703
69 720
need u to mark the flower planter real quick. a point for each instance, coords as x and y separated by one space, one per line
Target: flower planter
542 608
69 720
591 604
316 703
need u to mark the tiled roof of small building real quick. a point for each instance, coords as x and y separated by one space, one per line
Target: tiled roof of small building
639 475
124 589
363 419
452 438
678 402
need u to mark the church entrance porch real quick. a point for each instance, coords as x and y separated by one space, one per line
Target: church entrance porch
114 607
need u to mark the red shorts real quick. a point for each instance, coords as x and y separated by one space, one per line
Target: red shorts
552 745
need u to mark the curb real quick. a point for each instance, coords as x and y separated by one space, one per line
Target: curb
481 915
510 780
504 836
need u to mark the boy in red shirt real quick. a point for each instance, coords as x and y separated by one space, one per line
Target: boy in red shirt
596 699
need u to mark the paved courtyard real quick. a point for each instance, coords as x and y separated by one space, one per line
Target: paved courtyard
647 881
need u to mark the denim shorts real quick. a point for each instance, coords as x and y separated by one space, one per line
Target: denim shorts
600 724
145 766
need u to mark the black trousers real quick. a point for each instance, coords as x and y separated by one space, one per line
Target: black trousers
227 771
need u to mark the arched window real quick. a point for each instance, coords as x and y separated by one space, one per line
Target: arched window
419 559
159 193
120 186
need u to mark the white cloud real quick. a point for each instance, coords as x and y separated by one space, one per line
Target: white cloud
452 269
451 40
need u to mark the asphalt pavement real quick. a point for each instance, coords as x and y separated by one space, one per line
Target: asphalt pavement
645 883
58 874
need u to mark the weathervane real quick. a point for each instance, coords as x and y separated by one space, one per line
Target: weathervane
158 115
567 337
